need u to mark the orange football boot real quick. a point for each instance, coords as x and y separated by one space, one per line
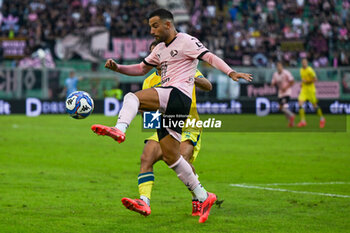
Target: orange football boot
112 132
291 121
196 208
301 124
137 205
322 123
206 206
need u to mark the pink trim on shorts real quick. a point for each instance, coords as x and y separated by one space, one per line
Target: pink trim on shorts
174 134
163 95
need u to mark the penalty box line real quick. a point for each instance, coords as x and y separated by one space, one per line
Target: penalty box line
287 190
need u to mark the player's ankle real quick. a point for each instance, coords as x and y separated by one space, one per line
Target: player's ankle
122 127
201 193
146 200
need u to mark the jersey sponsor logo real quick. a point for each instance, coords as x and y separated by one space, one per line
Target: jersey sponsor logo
173 53
165 80
164 69
198 43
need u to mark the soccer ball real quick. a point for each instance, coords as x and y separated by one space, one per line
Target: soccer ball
79 105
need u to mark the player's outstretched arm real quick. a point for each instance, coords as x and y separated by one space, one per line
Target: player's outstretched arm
132 70
219 64
203 84
236 76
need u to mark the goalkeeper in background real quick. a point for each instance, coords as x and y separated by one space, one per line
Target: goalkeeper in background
308 93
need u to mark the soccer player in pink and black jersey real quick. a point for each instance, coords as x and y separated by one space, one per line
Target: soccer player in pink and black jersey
284 81
177 54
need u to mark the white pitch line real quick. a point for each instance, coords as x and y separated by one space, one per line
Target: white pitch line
287 190
305 183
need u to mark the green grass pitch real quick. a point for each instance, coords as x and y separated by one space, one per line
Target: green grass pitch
57 176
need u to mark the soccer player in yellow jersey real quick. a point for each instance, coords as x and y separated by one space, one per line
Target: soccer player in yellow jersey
189 147
308 93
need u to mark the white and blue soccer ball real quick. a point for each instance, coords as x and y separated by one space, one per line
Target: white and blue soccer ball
79 104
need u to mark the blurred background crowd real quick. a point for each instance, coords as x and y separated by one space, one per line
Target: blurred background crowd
244 33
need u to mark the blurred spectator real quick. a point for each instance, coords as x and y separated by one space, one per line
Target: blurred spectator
233 12
1 55
71 84
325 28
260 27
233 27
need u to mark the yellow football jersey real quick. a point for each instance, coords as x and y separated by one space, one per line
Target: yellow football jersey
308 74
154 80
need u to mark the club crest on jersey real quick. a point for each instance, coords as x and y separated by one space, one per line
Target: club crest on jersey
173 53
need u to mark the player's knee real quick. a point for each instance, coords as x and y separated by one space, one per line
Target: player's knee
186 150
131 96
187 157
148 99
169 159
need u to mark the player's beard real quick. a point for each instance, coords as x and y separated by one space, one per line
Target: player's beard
160 38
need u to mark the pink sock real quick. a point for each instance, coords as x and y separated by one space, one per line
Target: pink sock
128 112
185 173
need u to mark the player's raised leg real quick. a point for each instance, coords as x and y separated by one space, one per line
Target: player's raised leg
142 100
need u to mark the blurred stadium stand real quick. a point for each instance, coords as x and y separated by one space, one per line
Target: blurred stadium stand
55 36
